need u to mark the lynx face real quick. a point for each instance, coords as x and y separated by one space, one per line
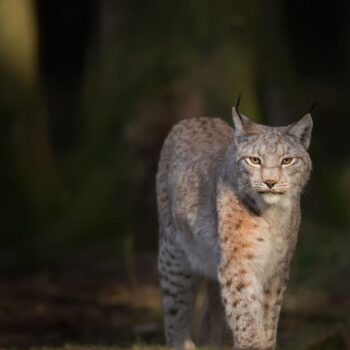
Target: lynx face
272 162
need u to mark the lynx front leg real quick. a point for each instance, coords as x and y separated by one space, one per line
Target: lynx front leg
242 251
178 287
273 303
242 297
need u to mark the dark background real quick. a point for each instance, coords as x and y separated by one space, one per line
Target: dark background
89 90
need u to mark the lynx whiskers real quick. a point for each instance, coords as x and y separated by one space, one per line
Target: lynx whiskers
228 205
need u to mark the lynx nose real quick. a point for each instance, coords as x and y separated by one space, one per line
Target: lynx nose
270 183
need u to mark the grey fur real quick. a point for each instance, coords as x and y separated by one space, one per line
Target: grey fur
219 220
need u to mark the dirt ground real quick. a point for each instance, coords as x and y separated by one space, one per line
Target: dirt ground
91 304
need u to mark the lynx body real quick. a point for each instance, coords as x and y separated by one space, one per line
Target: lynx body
228 205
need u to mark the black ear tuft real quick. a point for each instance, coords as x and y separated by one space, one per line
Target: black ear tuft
313 107
238 103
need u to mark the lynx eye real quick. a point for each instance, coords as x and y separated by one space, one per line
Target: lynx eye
287 161
253 160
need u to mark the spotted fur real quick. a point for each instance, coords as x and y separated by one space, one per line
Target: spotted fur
220 221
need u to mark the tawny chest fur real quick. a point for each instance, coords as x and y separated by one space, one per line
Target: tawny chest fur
261 242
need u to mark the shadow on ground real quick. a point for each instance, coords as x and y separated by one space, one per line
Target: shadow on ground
95 306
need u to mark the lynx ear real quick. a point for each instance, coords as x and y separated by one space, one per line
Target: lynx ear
238 122
301 130
243 126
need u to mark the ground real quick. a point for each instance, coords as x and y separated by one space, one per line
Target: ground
91 303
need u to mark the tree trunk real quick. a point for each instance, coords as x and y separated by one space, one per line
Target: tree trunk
23 107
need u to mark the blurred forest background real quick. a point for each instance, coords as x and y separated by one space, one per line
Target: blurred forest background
89 90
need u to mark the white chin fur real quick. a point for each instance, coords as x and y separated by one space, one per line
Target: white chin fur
271 198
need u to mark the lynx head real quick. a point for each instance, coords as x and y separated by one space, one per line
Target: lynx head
272 162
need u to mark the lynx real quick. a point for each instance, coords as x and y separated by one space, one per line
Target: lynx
229 213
